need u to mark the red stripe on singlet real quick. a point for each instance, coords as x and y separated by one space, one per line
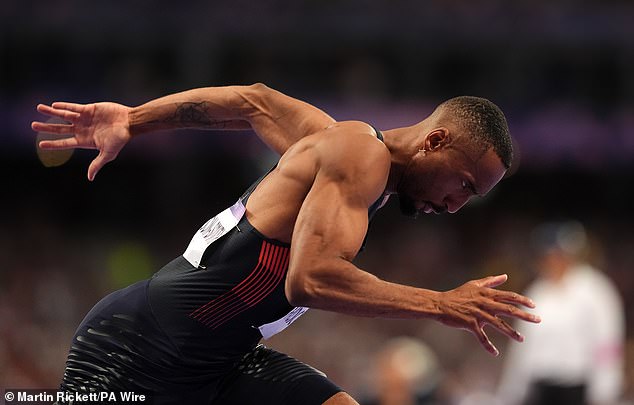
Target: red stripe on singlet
262 280
230 297
277 269
251 293
224 297
271 277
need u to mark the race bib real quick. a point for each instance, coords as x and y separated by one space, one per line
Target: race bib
270 329
211 231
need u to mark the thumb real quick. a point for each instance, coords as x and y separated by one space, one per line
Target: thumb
492 281
96 165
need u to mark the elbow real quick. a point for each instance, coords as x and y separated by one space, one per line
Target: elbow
314 281
259 89
255 99
250 96
302 290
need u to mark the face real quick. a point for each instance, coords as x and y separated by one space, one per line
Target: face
445 176
553 264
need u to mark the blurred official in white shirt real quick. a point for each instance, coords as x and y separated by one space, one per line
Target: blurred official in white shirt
575 356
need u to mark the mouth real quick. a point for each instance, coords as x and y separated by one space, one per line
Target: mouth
430 208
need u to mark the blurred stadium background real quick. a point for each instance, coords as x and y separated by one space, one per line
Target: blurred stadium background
561 71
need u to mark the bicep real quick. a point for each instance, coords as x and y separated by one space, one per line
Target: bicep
350 173
330 227
333 220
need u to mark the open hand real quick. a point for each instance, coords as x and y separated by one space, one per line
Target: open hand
476 303
101 126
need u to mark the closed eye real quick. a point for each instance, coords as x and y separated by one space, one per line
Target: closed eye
467 185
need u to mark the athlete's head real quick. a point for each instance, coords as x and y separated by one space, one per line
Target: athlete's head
465 149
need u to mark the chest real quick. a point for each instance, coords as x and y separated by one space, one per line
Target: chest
273 206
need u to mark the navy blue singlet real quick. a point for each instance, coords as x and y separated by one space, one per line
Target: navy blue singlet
179 334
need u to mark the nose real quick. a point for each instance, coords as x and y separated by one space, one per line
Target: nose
453 204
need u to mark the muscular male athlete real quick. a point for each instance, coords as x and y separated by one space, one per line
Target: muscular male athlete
190 334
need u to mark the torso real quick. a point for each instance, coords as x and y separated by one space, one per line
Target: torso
192 323
213 307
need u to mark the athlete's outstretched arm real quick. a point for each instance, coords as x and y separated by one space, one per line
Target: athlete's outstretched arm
328 233
279 120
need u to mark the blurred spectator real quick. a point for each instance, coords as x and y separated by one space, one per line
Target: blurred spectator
406 372
575 356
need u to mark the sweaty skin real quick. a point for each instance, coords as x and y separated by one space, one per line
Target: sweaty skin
317 197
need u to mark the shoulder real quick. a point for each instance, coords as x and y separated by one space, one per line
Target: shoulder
351 144
593 279
346 154
344 146
349 152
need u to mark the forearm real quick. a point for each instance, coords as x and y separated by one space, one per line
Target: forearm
279 120
205 108
342 287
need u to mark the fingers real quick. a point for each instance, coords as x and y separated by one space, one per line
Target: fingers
492 281
504 296
61 129
502 326
66 114
67 143
510 297
503 302
510 310
78 108
484 340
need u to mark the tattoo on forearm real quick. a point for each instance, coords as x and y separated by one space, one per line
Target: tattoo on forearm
195 115
192 113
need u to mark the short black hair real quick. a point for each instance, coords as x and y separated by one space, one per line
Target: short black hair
485 123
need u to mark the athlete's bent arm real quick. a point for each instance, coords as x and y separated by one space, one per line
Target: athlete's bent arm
279 120
328 233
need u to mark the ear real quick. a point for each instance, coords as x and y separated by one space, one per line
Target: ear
436 139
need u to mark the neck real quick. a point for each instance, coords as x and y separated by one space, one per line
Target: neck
403 143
